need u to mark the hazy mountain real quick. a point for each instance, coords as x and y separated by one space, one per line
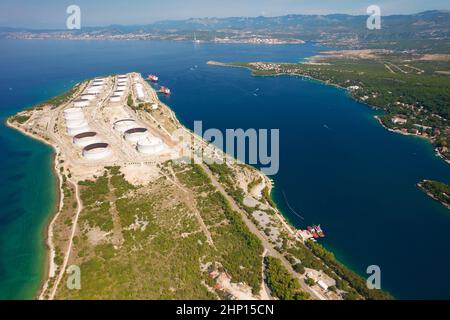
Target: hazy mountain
337 29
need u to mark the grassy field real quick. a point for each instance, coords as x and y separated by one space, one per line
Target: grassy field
144 242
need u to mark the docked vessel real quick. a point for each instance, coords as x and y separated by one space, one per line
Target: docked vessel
153 78
164 90
319 230
316 231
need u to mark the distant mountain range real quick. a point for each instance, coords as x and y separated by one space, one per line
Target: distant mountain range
428 29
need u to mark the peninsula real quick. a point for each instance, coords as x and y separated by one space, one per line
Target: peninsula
141 224
439 191
411 88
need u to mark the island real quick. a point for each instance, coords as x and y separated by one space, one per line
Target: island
439 191
411 88
140 222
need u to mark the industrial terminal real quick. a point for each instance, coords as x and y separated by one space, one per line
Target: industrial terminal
100 128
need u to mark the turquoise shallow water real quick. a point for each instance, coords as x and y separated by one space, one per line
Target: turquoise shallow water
338 166
27 199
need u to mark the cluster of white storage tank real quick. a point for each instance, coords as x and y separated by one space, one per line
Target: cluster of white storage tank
75 121
96 87
121 89
145 143
139 90
77 126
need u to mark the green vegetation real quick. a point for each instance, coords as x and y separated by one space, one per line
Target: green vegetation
358 283
254 183
310 282
281 283
299 268
93 194
121 186
21 119
226 178
353 284
400 84
437 190
155 246
240 249
59 100
130 102
144 257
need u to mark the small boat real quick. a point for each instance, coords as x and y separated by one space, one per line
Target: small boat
195 39
153 78
319 231
165 90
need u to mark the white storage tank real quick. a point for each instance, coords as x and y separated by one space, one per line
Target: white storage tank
115 99
89 97
95 90
73 131
124 125
135 134
96 151
81 103
86 138
75 127
150 145
119 93
73 114
75 123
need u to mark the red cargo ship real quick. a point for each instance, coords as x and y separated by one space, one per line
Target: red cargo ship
152 77
165 90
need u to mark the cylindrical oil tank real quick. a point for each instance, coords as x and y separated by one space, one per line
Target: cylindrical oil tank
135 134
150 145
96 151
86 138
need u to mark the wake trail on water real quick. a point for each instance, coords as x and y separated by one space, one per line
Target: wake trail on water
290 208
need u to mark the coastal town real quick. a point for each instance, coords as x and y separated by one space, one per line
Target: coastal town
233 37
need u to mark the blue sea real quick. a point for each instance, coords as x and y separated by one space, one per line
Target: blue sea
338 166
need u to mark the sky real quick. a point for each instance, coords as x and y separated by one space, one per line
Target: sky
43 14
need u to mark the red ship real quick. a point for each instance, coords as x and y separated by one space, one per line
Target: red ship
152 77
316 231
313 232
319 231
165 90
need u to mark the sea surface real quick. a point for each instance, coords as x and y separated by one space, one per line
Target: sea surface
338 166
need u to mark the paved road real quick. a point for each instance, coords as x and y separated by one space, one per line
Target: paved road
266 244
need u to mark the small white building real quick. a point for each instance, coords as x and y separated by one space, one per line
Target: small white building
399 120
